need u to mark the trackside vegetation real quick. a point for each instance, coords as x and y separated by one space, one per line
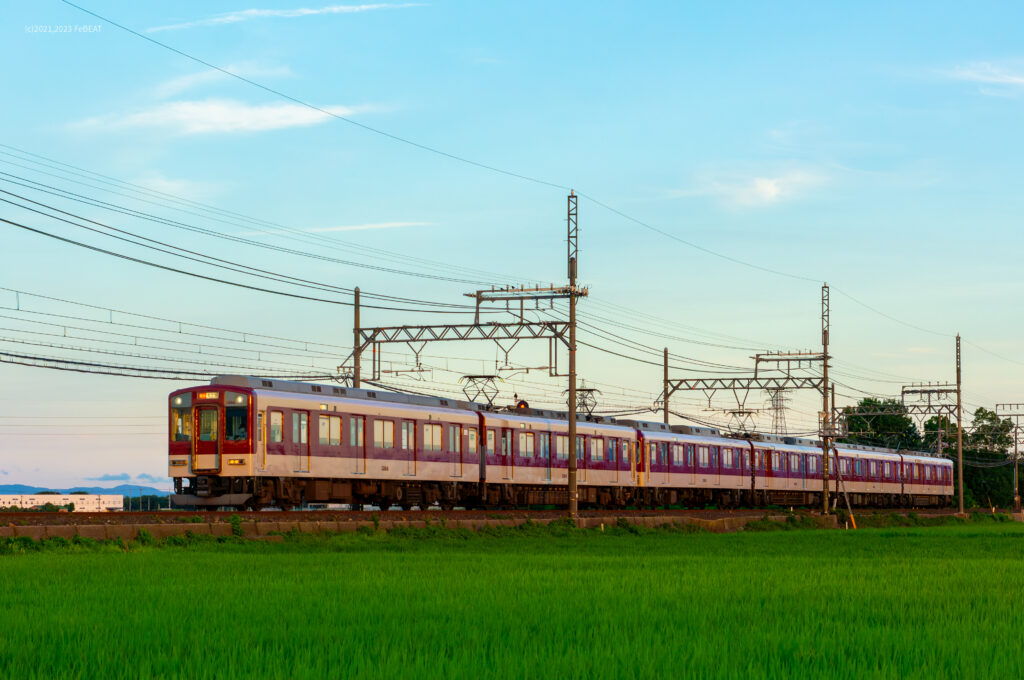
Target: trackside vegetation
522 602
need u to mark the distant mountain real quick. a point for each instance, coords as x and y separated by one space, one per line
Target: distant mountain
120 489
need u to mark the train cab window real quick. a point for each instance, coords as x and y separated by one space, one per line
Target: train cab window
208 425
431 437
544 439
383 434
562 447
455 439
355 431
408 435
276 427
235 424
181 424
300 428
597 449
526 444
704 456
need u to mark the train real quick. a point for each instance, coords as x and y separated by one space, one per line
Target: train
251 442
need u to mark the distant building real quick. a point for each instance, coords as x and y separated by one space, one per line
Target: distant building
83 502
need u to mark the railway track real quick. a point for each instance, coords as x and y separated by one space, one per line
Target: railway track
185 517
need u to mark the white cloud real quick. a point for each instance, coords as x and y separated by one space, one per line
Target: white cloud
739 189
175 86
347 227
363 227
217 115
247 14
176 187
989 73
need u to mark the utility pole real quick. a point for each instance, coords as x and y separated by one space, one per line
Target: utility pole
355 341
572 226
825 410
959 428
664 392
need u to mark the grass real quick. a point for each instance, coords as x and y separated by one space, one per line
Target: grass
895 602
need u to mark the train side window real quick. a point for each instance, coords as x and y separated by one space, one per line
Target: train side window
276 427
613 446
794 462
323 429
703 456
714 456
355 431
259 426
431 437
490 442
812 465
470 440
526 444
383 434
581 447
677 454
562 447
776 461
335 438
545 445
689 455
597 449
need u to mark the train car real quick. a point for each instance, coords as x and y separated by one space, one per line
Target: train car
254 442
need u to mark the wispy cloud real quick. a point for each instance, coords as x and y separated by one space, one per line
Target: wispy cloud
178 187
217 116
363 227
346 227
248 14
989 73
175 86
752 189
145 477
119 477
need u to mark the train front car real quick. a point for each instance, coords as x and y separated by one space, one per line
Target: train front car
210 445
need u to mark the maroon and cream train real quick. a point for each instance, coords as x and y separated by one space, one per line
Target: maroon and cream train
251 442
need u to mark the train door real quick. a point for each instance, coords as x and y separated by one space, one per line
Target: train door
691 462
455 449
261 440
409 446
206 452
507 464
357 443
300 440
716 464
581 458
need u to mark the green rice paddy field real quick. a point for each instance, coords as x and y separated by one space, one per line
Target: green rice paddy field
907 602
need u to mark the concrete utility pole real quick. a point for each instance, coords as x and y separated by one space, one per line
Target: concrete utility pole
959 427
572 226
355 341
825 409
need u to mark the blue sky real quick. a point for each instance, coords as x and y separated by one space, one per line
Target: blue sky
874 147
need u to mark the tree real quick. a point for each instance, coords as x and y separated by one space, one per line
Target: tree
895 430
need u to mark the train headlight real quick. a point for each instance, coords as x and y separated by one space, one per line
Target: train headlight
236 461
